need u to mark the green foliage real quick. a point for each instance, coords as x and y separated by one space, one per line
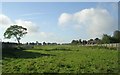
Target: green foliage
15 31
61 59
75 42
114 39
106 39
116 36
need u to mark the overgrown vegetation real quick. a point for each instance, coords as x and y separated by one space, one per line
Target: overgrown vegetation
106 39
60 59
56 58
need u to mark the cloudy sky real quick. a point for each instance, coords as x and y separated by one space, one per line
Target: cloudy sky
59 22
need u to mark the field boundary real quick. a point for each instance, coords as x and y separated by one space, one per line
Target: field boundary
111 45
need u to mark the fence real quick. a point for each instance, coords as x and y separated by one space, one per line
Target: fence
111 45
13 45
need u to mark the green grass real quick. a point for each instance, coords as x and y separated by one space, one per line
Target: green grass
61 59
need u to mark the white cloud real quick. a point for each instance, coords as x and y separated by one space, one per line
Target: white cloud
33 30
65 19
4 20
40 37
46 34
95 21
32 27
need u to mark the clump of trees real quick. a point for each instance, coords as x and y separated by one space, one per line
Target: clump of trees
76 42
106 39
80 42
111 39
44 43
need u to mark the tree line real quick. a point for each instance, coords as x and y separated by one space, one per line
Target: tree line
18 32
106 39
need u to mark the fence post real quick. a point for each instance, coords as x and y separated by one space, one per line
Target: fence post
118 46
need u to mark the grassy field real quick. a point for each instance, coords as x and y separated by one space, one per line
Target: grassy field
61 59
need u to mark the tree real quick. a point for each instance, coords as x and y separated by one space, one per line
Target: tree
84 42
106 39
97 40
90 41
80 42
116 36
44 43
37 43
15 31
75 42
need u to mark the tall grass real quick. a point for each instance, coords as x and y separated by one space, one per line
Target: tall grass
61 59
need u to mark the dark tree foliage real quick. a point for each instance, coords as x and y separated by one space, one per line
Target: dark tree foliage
15 31
80 42
116 36
97 40
75 42
114 39
37 43
84 42
106 38
44 43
